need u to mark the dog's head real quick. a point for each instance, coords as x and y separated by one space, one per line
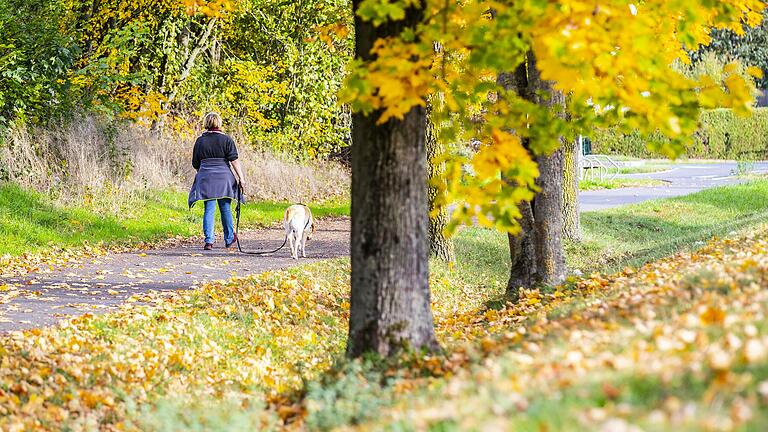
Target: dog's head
311 229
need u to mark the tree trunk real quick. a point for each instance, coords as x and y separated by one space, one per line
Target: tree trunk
548 212
440 246
548 208
390 301
571 220
522 254
522 246
536 252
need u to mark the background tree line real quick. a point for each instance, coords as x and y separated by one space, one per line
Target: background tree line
270 67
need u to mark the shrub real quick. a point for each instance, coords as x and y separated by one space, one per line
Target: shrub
724 135
614 142
721 135
88 157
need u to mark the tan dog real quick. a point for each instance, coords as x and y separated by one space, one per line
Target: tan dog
299 227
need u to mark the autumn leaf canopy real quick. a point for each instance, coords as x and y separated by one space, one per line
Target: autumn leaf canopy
611 58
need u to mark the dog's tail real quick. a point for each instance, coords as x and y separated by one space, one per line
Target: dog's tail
287 215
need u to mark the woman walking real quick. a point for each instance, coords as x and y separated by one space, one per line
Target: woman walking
215 157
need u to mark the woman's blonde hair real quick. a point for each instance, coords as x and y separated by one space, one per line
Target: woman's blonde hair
212 120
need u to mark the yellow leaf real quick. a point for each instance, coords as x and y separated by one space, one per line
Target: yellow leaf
712 315
755 72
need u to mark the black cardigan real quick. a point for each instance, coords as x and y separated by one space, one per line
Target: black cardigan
213 145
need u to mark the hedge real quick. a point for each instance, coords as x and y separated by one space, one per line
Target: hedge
721 135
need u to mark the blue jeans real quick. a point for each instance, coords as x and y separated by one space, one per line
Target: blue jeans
225 208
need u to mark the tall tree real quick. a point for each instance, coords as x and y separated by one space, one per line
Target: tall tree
615 54
548 208
571 156
440 245
536 252
390 301
522 245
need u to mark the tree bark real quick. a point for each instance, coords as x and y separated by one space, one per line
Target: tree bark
522 246
390 300
571 220
548 211
536 252
522 254
440 246
548 208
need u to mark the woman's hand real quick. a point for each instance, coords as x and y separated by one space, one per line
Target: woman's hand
243 187
239 175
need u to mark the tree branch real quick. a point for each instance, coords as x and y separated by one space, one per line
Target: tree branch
201 44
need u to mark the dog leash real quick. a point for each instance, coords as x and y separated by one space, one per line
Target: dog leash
237 228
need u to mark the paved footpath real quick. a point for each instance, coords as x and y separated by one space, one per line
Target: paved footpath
100 284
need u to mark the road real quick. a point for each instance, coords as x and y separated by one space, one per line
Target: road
681 179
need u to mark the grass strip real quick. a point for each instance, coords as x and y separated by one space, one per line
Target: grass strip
629 235
30 222
680 345
618 183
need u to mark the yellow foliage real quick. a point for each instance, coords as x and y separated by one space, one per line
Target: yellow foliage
400 76
141 107
214 8
612 58
331 33
250 87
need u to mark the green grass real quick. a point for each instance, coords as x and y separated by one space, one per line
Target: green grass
645 169
612 239
294 321
616 183
636 234
626 236
532 386
30 222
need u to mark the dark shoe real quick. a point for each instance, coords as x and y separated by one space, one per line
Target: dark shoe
234 240
208 246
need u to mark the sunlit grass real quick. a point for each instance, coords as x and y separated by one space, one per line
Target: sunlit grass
30 222
626 236
617 183
274 337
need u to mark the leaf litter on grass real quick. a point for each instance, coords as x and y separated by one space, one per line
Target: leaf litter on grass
679 344
259 336
257 341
